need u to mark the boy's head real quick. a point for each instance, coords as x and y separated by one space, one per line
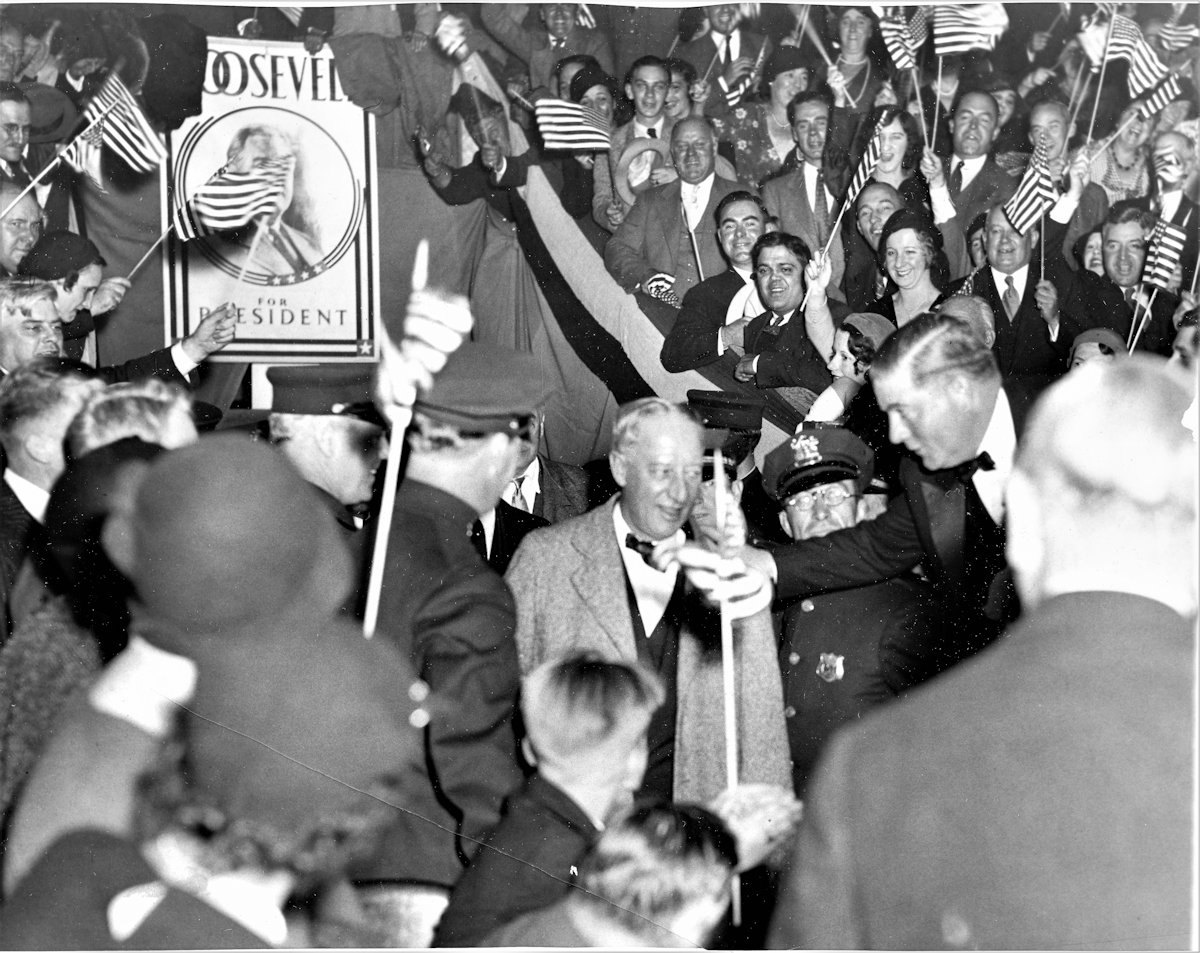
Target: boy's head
586 721
647 84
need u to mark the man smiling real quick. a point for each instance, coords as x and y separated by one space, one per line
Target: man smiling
976 182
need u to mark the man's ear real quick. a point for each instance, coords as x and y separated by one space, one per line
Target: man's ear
629 91
784 524
117 539
528 752
40 447
619 467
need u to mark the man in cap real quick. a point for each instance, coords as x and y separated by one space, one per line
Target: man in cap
235 562
1097 344
1043 796
940 388
586 584
323 421
842 651
450 614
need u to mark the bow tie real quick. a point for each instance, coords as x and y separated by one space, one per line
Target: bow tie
965 471
640 546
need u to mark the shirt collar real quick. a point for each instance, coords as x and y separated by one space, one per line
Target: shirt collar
144 686
1000 438
746 274
531 483
30 495
1019 277
973 164
623 528
640 130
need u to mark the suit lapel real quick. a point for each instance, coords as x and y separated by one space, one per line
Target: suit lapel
599 578
945 502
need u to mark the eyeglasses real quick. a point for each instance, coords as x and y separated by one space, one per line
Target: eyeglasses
830 495
15 130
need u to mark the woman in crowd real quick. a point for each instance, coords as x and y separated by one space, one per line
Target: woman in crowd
1123 169
910 252
759 132
1089 253
899 154
857 75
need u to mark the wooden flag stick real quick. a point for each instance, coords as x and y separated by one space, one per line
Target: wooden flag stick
1042 245
810 31
937 102
150 251
1145 319
1196 275
1100 82
711 64
728 664
920 106
674 43
1072 108
399 418
829 244
692 236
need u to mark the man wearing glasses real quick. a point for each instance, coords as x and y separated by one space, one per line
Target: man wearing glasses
842 652
17 167
940 387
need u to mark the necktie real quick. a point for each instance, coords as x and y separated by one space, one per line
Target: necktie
821 209
1011 300
18 174
964 472
516 497
651 134
956 178
640 546
1129 295
727 59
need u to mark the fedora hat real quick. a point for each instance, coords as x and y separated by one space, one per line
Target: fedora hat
53 115
723 167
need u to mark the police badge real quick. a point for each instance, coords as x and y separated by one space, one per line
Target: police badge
832 667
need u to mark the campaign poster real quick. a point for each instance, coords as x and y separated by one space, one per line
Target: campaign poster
304 274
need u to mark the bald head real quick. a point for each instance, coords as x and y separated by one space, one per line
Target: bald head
975 312
693 150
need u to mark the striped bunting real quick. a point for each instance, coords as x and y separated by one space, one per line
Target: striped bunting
232 199
957 29
1164 254
124 127
571 126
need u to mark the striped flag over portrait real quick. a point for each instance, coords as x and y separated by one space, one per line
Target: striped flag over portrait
571 126
232 199
957 29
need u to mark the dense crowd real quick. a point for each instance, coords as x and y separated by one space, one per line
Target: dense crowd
379 666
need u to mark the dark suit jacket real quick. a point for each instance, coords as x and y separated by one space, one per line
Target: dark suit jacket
1187 217
512 525
700 52
453 618
992 186
21 538
654 238
786 359
528 863
692 340
924 525
1102 301
158 364
532 45
1039 797
787 199
563 491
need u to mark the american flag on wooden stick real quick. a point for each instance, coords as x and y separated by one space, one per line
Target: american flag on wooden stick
957 29
124 127
904 40
1146 70
1166 94
1034 195
866 168
1176 36
1164 253
572 126
232 199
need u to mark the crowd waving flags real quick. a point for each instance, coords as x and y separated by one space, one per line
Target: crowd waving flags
904 39
957 29
1121 38
124 128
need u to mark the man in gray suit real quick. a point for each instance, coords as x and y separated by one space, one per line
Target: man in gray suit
1060 810
586 584
653 251
975 181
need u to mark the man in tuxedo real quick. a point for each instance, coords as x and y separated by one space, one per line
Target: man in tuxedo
37 404
782 347
1033 336
715 313
736 52
1119 298
1062 812
975 181
586 584
941 389
803 200
655 248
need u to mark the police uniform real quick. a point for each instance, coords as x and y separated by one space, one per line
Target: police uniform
841 653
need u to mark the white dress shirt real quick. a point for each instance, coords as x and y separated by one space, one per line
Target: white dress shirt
530 485
970 168
810 187
29 495
695 200
651 588
1000 443
735 51
144 686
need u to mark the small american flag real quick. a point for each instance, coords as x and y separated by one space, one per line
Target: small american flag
866 168
903 40
1174 36
1167 93
957 29
1126 43
83 154
124 127
232 199
1164 254
571 126
1034 195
